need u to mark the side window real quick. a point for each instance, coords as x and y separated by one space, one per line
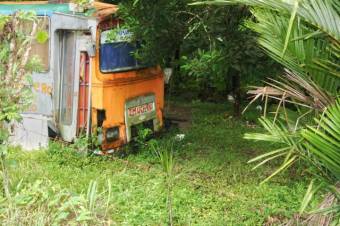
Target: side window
42 50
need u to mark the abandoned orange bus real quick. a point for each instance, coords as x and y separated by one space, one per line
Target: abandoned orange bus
95 84
125 93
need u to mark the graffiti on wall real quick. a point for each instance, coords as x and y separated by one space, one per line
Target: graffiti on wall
42 91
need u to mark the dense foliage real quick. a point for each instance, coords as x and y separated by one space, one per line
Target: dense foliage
14 66
161 25
16 34
208 47
304 37
228 58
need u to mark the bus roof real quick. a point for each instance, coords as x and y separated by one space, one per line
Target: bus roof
40 9
43 8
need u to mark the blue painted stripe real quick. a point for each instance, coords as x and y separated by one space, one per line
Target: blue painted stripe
39 9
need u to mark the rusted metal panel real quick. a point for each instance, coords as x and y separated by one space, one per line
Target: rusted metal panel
83 92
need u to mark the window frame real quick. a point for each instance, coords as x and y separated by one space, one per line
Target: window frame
48 67
120 69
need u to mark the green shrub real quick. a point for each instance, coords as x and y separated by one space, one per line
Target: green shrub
44 203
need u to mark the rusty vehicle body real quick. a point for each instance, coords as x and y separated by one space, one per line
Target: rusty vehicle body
91 84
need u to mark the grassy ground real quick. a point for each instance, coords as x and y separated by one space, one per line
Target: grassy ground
214 184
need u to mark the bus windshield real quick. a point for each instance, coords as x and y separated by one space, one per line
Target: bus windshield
116 53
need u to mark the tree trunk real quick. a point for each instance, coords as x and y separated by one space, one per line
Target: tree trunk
176 66
236 88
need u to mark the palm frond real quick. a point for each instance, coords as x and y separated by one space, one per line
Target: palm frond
302 56
293 89
277 133
323 15
323 141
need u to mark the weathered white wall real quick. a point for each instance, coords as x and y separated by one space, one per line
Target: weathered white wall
31 133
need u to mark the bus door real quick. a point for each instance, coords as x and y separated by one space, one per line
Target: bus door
74 74
83 97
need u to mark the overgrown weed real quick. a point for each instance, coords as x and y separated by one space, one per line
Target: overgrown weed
216 185
44 203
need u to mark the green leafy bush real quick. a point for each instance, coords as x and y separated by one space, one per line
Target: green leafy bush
44 203
16 35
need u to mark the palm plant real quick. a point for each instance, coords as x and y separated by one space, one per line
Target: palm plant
304 36
323 141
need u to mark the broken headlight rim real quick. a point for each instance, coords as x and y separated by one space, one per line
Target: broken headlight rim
112 134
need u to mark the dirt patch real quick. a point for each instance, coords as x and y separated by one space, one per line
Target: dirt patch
179 115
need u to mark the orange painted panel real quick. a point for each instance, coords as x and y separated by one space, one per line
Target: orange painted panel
112 96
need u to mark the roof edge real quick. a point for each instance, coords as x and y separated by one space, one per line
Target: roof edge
102 10
24 3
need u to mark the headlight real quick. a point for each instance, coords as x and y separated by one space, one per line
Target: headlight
112 134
